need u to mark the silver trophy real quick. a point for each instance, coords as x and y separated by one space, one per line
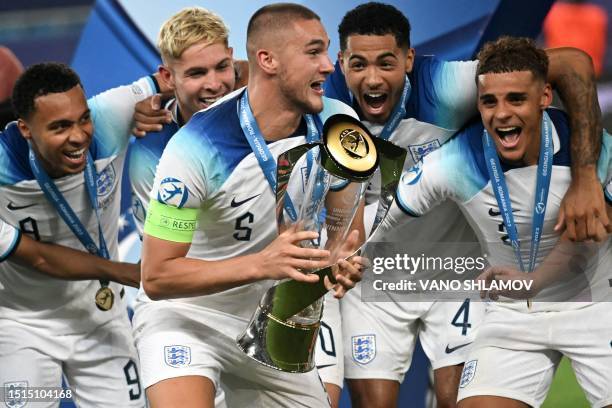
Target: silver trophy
319 187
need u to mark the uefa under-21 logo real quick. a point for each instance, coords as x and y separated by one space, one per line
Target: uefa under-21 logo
177 355
364 348
172 192
413 174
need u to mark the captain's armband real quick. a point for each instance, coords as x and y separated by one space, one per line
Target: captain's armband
170 223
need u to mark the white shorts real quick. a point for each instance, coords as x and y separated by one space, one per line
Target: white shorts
101 366
380 337
516 353
176 339
329 355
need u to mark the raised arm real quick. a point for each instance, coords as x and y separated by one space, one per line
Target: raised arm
572 74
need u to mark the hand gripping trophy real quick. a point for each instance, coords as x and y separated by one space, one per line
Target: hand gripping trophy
319 187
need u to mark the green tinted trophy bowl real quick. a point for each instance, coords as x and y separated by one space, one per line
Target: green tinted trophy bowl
283 330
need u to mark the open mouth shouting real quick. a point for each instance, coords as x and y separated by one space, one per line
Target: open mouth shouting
509 136
374 103
317 87
76 157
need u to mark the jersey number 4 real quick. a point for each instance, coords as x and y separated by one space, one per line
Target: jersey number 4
464 311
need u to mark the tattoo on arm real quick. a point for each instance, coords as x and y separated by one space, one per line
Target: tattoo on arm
580 99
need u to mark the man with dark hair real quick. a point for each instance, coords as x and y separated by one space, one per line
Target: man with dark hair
219 189
59 182
518 157
419 103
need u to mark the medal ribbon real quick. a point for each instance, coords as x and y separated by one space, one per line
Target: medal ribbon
262 153
502 196
56 198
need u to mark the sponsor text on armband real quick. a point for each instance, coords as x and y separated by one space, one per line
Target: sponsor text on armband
170 223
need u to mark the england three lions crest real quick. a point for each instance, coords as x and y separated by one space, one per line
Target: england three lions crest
364 348
14 394
177 356
419 151
106 185
469 371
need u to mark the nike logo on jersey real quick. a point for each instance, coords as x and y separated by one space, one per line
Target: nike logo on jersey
451 349
324 366
494 213
14 207
235 203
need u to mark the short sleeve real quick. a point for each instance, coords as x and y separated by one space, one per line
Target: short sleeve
9 239
179 188
112 112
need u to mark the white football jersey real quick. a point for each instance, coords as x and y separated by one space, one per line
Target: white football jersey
208 165
40 300
458 171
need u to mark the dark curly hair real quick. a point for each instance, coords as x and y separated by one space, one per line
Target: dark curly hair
39 80
375 19
511 54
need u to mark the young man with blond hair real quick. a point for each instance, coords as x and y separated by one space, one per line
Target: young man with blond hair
198 66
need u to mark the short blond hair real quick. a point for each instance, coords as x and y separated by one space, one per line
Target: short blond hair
191 25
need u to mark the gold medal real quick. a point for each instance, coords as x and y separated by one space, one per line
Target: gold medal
105 298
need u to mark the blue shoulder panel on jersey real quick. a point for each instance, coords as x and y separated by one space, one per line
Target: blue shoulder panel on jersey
215 139
14 164
560 120
145 152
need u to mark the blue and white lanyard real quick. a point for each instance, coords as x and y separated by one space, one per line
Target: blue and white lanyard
56 198
502 196
399 112
263 154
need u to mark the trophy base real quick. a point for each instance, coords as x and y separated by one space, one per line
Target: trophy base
279 344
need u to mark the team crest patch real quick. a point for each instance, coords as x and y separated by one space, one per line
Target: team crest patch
469 371
106 181
14 394
419 151
364 348
172 192
177 356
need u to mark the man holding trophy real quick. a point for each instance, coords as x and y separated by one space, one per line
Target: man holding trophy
211 242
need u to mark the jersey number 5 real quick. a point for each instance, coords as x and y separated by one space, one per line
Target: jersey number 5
243 233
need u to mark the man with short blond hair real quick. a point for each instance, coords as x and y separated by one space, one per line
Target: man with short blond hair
198 65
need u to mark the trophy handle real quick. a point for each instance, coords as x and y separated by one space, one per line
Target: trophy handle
391 164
